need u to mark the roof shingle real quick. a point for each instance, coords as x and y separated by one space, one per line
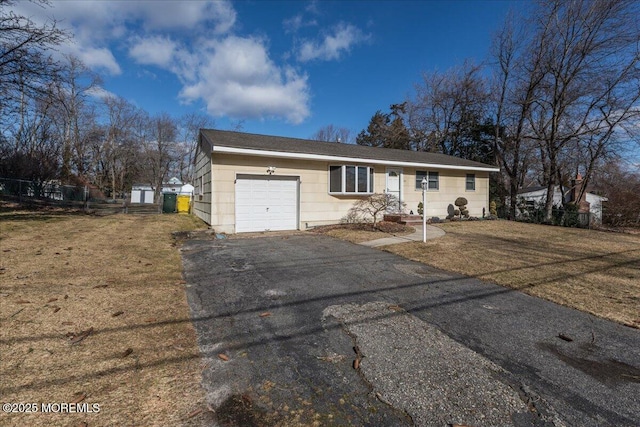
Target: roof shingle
304 146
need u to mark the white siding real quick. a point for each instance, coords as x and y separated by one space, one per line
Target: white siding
317 206
203 184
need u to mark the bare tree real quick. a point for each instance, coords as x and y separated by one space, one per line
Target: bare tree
190 125
119 146
622 208
563 88
25 61
517 74
331 133
448 110
160 150
590 78
71 89
28 147
35 153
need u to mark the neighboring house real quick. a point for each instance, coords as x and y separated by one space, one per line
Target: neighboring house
247 182
592 203
172 186
144 193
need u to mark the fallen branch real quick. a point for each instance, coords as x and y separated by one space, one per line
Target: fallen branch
75 339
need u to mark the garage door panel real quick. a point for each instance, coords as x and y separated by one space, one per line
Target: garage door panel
251 206
264 204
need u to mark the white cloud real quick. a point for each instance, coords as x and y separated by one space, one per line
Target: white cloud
312 7
295 23
292 24
219 15
95 58
100 93
154 50
232 75
236 77
95 25
98 19
333 45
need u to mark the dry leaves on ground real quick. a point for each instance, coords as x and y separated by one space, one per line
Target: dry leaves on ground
593 271
77 295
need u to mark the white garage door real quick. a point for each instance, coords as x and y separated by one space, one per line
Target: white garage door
266 203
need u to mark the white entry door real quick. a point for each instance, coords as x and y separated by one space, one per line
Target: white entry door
266 203
394 184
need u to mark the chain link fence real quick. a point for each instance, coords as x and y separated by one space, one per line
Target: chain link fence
52 193
47 190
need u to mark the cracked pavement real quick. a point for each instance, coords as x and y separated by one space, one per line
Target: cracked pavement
294 314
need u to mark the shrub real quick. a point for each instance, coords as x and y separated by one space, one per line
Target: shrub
460 202
372 207
493 208
351 217
571 218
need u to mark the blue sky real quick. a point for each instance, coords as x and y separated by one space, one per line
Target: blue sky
277 67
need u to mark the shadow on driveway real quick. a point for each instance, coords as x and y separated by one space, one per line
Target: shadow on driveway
273 357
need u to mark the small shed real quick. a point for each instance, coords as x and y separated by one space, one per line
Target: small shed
142 193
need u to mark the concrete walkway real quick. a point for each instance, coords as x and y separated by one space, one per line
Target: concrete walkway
432 233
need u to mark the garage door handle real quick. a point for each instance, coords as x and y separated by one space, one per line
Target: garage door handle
267 209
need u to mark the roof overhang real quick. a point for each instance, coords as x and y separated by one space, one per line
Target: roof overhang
327 158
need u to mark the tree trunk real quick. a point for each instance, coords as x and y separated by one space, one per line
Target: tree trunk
113 182
551 184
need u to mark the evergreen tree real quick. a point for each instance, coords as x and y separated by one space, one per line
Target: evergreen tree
387 130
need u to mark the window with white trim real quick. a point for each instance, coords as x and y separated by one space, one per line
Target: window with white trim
470 183
348 179
433 180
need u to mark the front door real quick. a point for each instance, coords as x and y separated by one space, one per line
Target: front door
394 185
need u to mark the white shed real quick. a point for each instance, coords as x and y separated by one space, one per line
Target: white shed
141 193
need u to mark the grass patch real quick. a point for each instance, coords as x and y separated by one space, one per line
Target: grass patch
593 271
363 232
94 311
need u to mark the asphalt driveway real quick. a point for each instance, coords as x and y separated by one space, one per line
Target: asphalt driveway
310 330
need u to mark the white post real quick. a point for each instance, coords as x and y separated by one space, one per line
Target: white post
424 209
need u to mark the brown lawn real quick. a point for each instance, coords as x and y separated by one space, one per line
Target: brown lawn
358 233
93 310
594 271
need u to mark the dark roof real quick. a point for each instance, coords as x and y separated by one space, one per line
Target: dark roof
566 188
530 189
305 146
